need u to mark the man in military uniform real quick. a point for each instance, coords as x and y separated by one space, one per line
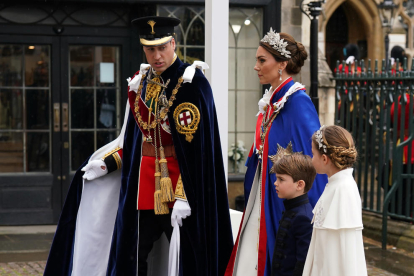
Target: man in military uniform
169 161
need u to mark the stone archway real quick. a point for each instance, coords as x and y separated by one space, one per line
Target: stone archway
363 27
336 37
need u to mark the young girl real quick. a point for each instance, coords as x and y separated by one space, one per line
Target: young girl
336 246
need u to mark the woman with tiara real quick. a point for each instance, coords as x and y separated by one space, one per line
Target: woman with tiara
286 121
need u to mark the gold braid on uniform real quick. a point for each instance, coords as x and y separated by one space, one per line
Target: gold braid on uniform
160 207
153 88
164 192
164 112
166 183
112 160
179 190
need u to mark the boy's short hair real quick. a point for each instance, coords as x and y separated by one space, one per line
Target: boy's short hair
298 166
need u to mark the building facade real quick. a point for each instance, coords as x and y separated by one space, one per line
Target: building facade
63 71
64 65
359 22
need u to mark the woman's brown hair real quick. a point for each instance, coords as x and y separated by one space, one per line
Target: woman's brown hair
297 52
340 147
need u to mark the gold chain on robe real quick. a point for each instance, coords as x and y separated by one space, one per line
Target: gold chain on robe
164 192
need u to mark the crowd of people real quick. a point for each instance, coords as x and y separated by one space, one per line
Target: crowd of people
154 201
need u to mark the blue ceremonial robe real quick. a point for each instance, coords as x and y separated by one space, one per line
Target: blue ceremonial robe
295 124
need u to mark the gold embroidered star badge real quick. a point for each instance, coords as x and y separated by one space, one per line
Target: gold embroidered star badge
280 153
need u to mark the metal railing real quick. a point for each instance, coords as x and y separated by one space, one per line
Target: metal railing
364 103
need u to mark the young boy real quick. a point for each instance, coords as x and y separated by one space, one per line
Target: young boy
295 175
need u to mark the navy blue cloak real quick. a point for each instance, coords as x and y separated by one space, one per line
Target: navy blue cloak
206 237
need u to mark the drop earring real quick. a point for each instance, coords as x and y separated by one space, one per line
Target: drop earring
280 73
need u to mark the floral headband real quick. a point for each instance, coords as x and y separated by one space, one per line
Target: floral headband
319 139
276 42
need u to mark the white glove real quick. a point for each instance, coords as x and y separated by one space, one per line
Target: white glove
180 211
94 169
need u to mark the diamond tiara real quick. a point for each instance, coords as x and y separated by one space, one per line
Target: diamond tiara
278 44
319 139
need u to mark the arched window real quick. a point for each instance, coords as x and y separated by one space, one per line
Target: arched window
245 32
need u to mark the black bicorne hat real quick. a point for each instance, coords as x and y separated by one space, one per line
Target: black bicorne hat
351 50
398 52
155 30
